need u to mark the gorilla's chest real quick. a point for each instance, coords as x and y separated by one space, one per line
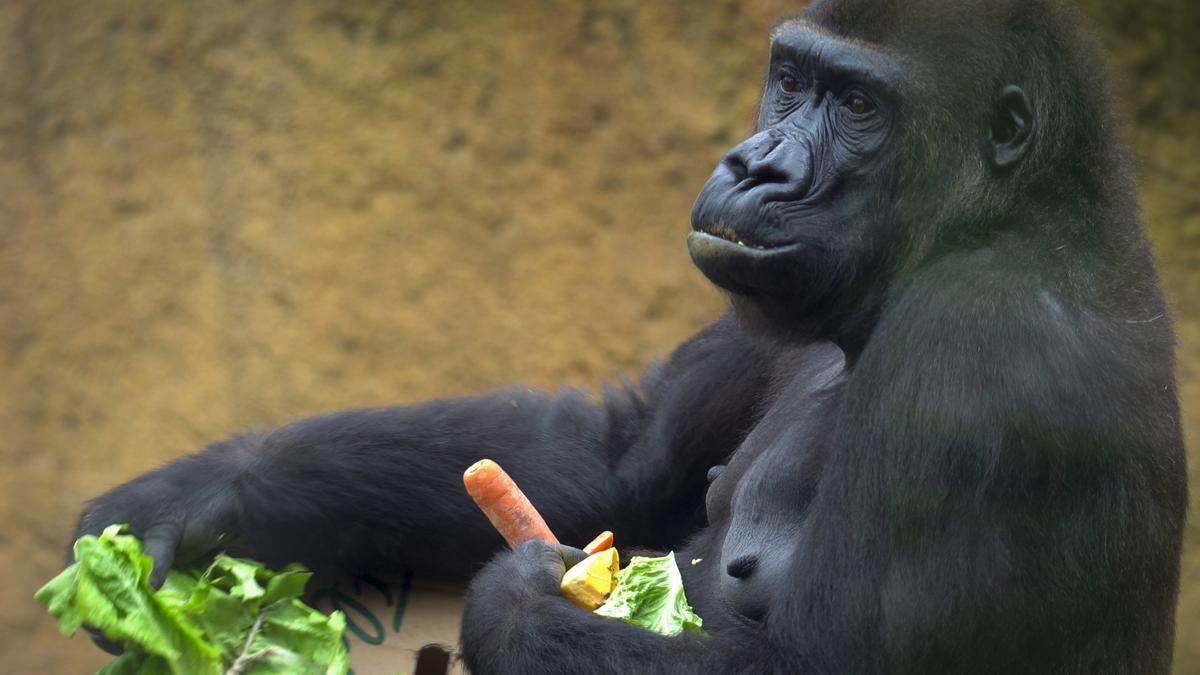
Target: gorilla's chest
760 499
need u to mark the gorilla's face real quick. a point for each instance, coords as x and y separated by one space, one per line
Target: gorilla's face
786 214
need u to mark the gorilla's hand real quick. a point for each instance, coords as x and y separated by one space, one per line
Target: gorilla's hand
515 621
508 592
172 526
181 512
175 518
534 567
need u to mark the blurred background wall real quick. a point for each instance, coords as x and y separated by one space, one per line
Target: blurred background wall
222 215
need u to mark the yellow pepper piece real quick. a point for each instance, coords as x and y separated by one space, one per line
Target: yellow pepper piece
589 582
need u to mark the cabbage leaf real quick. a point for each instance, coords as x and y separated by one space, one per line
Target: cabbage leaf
649 594
235 616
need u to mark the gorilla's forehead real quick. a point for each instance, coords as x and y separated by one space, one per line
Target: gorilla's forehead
803 41
875 19
948 45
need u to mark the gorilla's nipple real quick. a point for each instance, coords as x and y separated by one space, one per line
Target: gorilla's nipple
743 567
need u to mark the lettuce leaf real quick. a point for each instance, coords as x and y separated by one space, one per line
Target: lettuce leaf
199 622
649 594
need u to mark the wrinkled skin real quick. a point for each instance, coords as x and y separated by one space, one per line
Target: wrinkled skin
938 433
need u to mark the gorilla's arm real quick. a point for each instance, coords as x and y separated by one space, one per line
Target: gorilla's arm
1005 501
380 490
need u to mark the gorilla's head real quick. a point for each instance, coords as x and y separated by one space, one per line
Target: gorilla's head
890 132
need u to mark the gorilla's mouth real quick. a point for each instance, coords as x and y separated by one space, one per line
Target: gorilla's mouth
727 243
721 231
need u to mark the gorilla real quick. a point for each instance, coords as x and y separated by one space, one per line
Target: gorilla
938 431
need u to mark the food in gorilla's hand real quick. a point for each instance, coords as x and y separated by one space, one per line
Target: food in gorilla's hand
649 593
504 504
235 616
603 541
588 583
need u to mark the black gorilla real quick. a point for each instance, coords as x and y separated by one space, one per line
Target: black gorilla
945 397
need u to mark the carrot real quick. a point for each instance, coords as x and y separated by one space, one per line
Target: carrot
504 504
602 542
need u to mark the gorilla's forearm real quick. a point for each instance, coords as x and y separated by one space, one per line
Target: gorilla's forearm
380 489
376 488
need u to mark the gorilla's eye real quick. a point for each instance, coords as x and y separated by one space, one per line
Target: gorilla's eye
859 105
789 84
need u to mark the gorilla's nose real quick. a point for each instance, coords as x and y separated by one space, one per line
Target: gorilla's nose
769 159
743 567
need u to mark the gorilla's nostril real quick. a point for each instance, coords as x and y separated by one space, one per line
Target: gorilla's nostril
736 166
769 174
742 567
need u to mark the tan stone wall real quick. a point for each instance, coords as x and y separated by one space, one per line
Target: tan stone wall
223 215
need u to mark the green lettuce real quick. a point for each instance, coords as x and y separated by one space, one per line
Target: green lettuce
649 594
235 617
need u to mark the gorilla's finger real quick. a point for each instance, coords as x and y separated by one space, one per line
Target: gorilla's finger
110 646
571 556
541 563
160 543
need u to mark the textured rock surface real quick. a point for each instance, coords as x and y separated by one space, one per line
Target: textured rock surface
221 216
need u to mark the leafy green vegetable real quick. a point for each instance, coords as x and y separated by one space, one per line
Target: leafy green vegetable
649 594
236 617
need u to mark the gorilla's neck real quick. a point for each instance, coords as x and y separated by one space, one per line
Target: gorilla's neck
788 323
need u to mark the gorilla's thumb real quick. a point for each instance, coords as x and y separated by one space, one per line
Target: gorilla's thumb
160 543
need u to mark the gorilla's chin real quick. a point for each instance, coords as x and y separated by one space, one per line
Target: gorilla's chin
781 291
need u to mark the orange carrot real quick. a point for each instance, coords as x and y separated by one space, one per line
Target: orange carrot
602 542
504 504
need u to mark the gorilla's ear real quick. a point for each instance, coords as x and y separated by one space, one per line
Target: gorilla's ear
1013 126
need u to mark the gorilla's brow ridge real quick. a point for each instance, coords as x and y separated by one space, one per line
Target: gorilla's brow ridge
787 23
866 62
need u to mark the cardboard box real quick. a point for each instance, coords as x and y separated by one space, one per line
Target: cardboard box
398 626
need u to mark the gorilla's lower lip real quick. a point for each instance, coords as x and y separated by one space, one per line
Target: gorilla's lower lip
699 239
738 267
727 235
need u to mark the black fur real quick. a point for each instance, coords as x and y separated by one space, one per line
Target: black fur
946 397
